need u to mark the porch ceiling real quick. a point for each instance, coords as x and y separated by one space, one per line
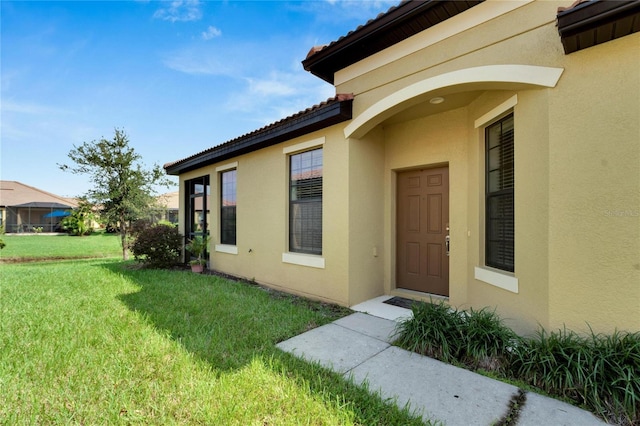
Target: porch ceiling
425 108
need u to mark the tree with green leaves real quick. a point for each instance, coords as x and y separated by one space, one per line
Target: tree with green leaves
122 185
80 221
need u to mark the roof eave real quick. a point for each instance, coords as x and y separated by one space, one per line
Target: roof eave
369 38
595 22
299 125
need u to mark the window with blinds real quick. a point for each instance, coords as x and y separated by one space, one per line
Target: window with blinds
228 207
499 201
305 202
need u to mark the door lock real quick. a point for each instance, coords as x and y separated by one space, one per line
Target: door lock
447 240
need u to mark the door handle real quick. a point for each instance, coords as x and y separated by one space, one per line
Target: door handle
447 243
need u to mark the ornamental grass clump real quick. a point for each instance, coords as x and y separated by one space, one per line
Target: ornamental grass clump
601 372
488 343
475 338
433 330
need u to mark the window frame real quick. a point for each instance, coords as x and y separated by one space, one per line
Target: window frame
191 200
500 200
305 234
487 274
224 237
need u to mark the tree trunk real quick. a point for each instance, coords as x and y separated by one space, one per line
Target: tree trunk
123 237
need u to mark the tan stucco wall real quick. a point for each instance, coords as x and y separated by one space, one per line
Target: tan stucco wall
366 217
527 308
262 220
577 156
577 170
594 181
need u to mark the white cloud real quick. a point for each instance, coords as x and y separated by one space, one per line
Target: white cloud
211 32
8 106
197 62
267 99
273 85
180 10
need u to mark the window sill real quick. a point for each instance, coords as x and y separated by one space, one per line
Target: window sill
303 260
496 278
225 248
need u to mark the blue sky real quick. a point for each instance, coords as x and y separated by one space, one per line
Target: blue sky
178 77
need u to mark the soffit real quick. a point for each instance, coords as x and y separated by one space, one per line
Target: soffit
588 23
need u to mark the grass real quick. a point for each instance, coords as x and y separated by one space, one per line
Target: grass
49 247
97 342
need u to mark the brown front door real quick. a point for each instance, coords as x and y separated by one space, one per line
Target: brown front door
422 262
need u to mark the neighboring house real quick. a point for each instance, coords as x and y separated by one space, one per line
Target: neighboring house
169 204
486 153
23 208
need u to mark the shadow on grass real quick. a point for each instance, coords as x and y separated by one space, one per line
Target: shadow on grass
229 323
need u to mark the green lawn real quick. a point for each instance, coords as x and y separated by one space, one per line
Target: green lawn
98 342
42 246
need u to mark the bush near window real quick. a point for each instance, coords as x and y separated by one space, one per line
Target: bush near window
600 372
158 246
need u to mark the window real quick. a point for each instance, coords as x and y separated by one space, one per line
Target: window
499 198
197 204
305 202
228 207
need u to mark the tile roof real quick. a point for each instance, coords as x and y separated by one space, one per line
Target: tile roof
388 28
587 23
332 111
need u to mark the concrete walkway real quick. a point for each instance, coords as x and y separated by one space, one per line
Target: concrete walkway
358 346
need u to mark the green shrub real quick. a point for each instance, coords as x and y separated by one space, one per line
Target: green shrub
167 223
599 371
434 330
488 343
139 226
158 246
80 221
477 339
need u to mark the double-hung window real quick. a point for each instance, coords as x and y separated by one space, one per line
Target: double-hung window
499 194
305 202
228 207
